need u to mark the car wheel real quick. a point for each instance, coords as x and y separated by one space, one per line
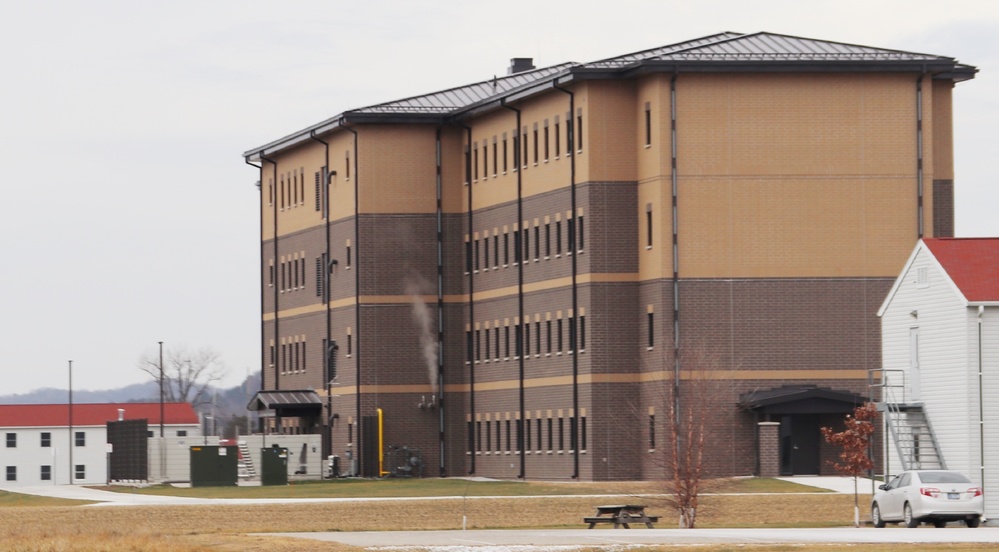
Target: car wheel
939 523
973 521
879 522
910 521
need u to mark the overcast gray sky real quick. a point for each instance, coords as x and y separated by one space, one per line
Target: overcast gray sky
129 217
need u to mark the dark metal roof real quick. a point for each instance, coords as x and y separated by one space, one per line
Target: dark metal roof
446 101
719 52
285 400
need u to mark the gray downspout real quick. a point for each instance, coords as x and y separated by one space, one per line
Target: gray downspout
471 300
575 291
357 295
327 266
520 285
440 309
277 317
919 155
263 339
674 177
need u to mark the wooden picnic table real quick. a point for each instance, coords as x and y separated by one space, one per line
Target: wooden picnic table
621 515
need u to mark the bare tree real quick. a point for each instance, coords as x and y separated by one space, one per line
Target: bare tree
685 399
188 376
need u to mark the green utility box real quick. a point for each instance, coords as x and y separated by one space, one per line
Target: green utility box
274 466
213 466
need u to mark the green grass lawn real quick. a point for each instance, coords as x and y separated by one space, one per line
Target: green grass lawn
387 488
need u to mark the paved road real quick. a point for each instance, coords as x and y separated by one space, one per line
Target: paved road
484 540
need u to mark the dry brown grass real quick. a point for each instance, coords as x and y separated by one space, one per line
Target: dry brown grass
175 528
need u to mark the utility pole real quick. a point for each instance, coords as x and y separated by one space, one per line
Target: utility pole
71 439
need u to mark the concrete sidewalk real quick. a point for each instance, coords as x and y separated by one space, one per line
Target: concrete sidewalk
837 484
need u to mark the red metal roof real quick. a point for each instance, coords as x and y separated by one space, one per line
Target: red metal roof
57 415
972 263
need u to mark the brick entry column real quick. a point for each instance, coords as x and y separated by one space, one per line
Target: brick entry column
769 439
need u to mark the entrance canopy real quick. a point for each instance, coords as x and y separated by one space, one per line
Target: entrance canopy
287 403
801 399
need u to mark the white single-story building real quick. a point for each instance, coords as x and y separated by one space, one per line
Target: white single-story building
940 358
39 447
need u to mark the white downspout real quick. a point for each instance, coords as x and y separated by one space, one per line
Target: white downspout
981 408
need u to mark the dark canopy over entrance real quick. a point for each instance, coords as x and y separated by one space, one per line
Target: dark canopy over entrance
800 410
304 404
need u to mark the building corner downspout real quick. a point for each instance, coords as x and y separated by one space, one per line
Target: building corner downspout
919 155
441 442
520 288
575 291
674 178
981 410
263 339
471 299
327 268
357 297
277 317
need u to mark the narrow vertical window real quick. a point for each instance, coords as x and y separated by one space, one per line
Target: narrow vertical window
536 145
496 250
468 165
499 440
558 334
527 245
561 433
320 267
495 156
506 248
271 273
282 192
475 162
348 256
572 434
527 338
516 149
488 344
504 154
520 435
582 433
469 346
579 228
294 189
651 324
516 246
496 332
548 240
476 255
471 436
557 141
518 341
508 449
347 165
527 435
582 333
648 226
489 436
478 345
485 159
558 237
537 336
319 190
548 332
350 344
578 131
652 431
648 124
485 250
546 140
551 435
478 436
506 341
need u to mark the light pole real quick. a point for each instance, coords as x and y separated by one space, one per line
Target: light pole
161 389
71 441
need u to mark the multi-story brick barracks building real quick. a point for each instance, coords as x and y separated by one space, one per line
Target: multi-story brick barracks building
525 276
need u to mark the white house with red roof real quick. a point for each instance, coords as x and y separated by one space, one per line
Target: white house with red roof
40 449
940 359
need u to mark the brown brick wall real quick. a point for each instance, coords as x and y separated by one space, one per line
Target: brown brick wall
943 208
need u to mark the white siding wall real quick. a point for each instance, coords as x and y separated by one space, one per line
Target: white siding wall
990 369
943 378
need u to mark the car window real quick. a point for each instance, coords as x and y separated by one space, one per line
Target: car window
893 484
904 481
943 477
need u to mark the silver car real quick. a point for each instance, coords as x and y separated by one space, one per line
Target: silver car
931 496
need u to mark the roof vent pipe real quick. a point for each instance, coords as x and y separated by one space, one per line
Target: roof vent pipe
519 65
121 414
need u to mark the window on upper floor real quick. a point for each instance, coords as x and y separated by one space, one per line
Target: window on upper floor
12 440
46 439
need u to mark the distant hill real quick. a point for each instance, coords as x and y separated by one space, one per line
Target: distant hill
228 402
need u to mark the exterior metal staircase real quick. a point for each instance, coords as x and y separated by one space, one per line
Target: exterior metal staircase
909 425
244 467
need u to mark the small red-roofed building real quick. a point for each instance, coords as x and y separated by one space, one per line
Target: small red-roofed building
940 358
40 449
